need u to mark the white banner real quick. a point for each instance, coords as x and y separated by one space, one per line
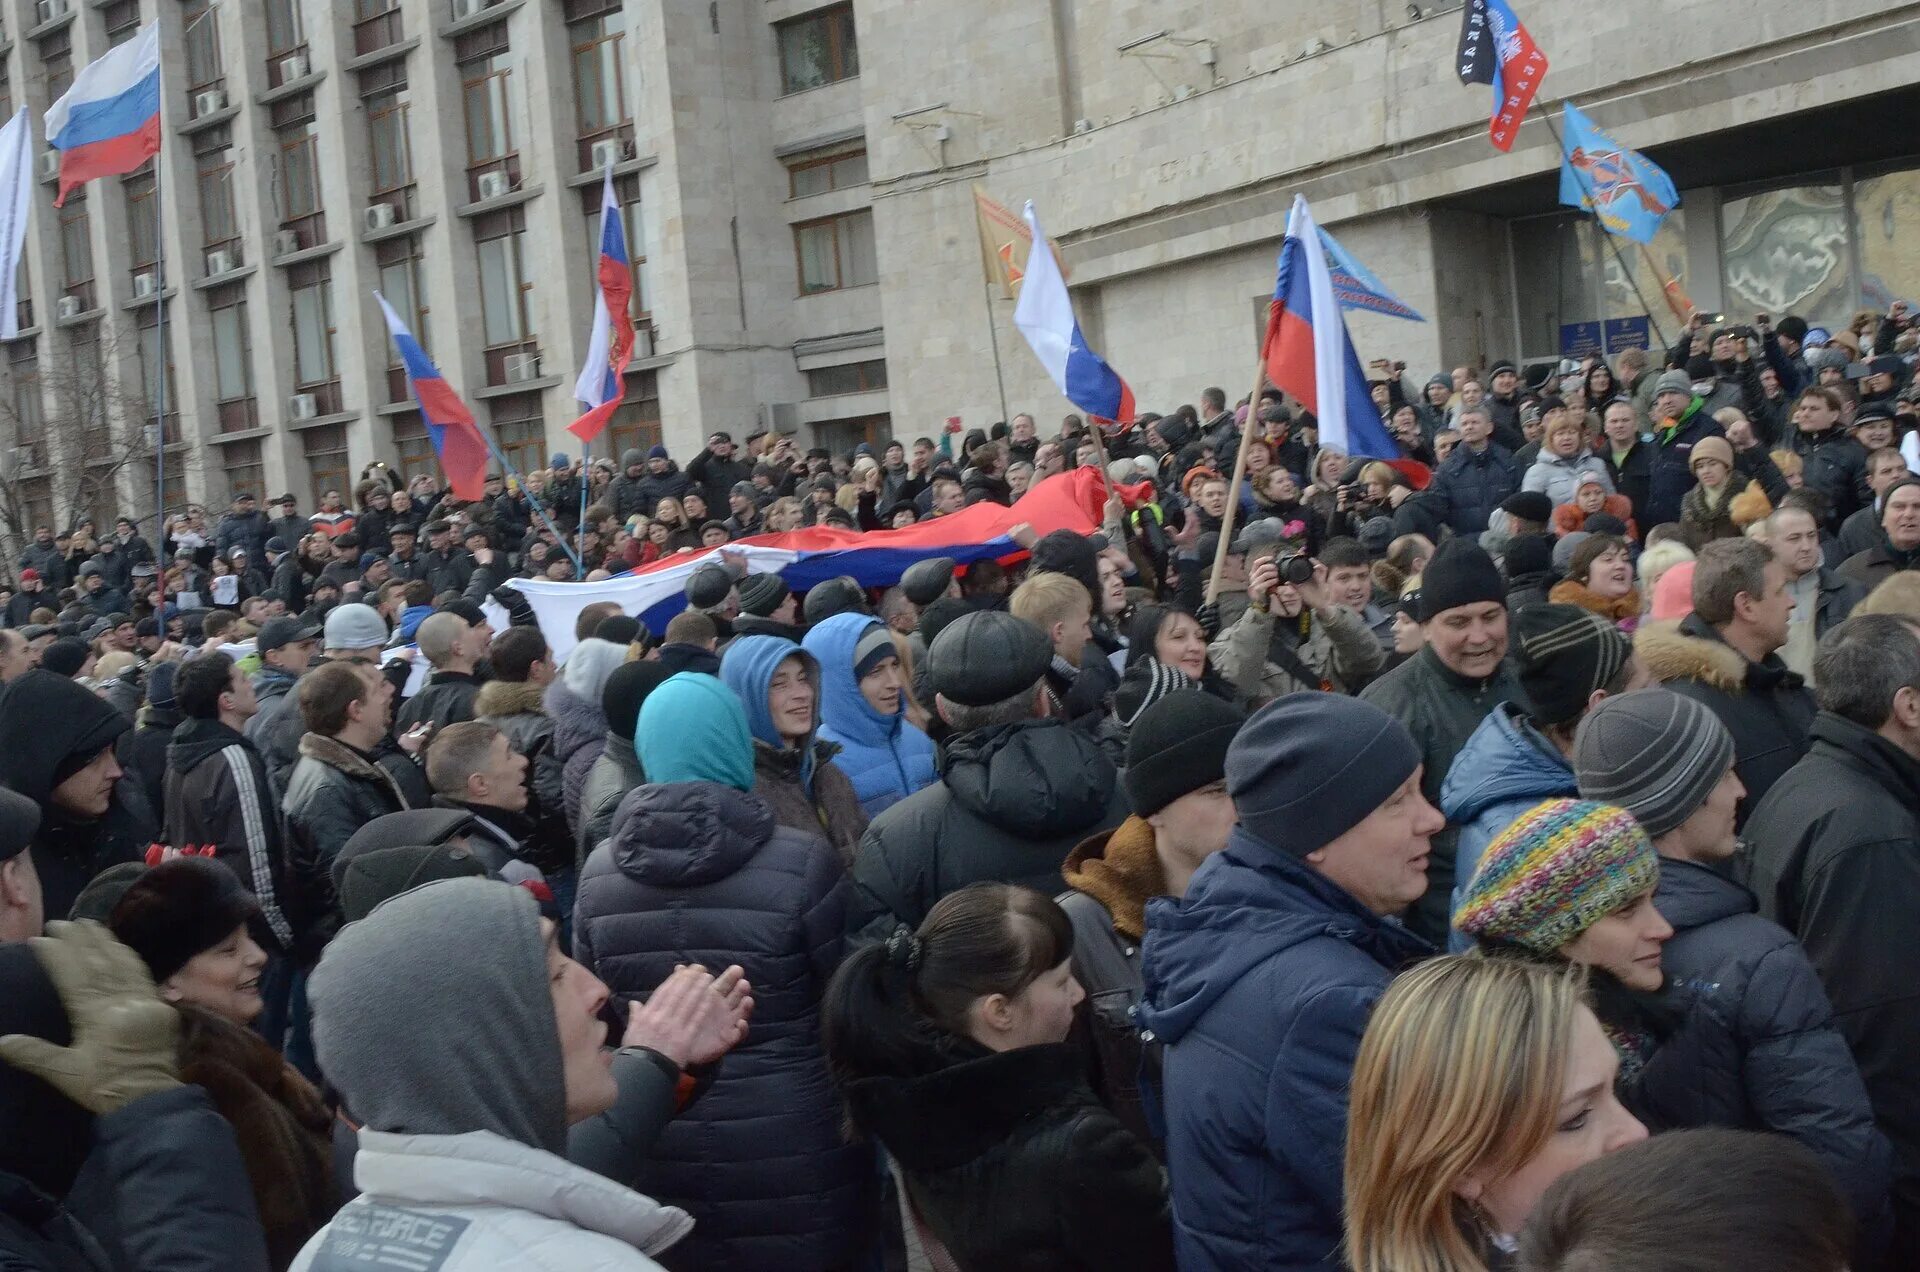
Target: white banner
16 198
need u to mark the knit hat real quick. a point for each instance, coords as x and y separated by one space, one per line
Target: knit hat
1460 573
64 657
1605 523
927 581
761 594
627 690
160 685
1673 382
874 647
29 575
1376 536
838 595
1793 327
19 822
986 657
1565 653
1176 746
1529 505
656 452
1673 594
708 586
1308 767
178 909
619 629
354 626
373 877
1710 448
1529 554
1564 865
1563 550
1655 753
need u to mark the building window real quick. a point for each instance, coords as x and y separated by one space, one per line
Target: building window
488 96
122 20
836 252
232 357
36 500
201 36
503 282
76 249
599 84
156 369
312 326
56 62
399 263
285 31
819 174
387 135
412 447
245 471
636 425
852 377
143 233
219 218
298 137
327 467
520 429
817 49
376 24
6 90
29 410
627 190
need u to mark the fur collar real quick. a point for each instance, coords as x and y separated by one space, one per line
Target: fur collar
1120 870
509 697
946 1118
338 755
1614 609
1670 654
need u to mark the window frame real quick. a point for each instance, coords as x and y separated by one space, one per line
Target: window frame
843 46
840 264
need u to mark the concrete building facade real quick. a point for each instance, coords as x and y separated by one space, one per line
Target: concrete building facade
797 180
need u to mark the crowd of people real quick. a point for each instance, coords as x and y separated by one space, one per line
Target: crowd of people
1501 855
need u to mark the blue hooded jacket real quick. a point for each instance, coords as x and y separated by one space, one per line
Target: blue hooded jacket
747 668
1259 982
1505 768
884 757
695 730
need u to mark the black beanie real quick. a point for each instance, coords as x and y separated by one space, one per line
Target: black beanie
1176 746
1528 554
1460 573
618 629
935 617
64 657
178 909
1565 654
372 877
761 594
1793 327
627 688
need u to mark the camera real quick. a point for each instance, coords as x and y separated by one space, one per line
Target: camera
1294 567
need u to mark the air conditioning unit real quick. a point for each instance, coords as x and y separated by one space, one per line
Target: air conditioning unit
294 68
146 284
303 406
643 342
221 262
48 10
467 8
378 216
50 165
208 102
69 307
494 185
607 153
286 242
521 367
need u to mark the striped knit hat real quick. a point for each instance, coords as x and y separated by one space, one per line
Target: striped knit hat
1562 867
1653 752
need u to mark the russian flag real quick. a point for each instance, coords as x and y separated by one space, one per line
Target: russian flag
1044 315
1308 353
450 425
601 386
109 121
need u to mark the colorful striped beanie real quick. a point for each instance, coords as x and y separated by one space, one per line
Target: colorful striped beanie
1563 866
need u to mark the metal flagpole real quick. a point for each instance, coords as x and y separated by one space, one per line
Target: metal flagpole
580 530
1593 209
993 336
533 500
160 404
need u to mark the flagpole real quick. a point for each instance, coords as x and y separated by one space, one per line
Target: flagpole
580 529
993 337
1593 209
533 500
1239 474
160 323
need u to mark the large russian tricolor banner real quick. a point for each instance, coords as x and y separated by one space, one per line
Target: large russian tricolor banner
109 121
655 593
601 386
1308 353
1044 315
450 424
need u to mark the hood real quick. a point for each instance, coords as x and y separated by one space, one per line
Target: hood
679 657
49 718
1690 896
1038 779
842 705
693 729
1505 759
509 697
1248 903
410 620
196 741
476 969
748 669
1673 651
683 834
944 1119
576 722
273 681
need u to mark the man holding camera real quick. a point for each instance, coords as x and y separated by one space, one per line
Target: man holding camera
1293 635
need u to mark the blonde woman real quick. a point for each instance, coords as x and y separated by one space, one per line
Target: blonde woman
1479 1082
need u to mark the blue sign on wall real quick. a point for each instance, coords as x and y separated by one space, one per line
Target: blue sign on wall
1578 339
1628 333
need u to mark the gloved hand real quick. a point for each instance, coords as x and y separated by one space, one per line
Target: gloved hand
124 1036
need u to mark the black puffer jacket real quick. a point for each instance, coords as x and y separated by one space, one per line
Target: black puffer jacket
1770 1055
1836 466
334 790
697 872
1011 803
218 794
1015 1167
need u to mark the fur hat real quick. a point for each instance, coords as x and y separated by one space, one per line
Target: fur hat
178 909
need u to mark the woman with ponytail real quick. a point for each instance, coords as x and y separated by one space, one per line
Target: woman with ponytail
949 1044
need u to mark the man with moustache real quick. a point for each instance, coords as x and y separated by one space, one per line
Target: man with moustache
1443 692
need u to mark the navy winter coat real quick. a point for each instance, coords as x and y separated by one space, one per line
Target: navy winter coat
697 872
1469 487
1258 983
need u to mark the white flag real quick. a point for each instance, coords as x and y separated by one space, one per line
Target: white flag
16 197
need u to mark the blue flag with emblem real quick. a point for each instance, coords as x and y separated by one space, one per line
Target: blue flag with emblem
1355 288
1627 191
